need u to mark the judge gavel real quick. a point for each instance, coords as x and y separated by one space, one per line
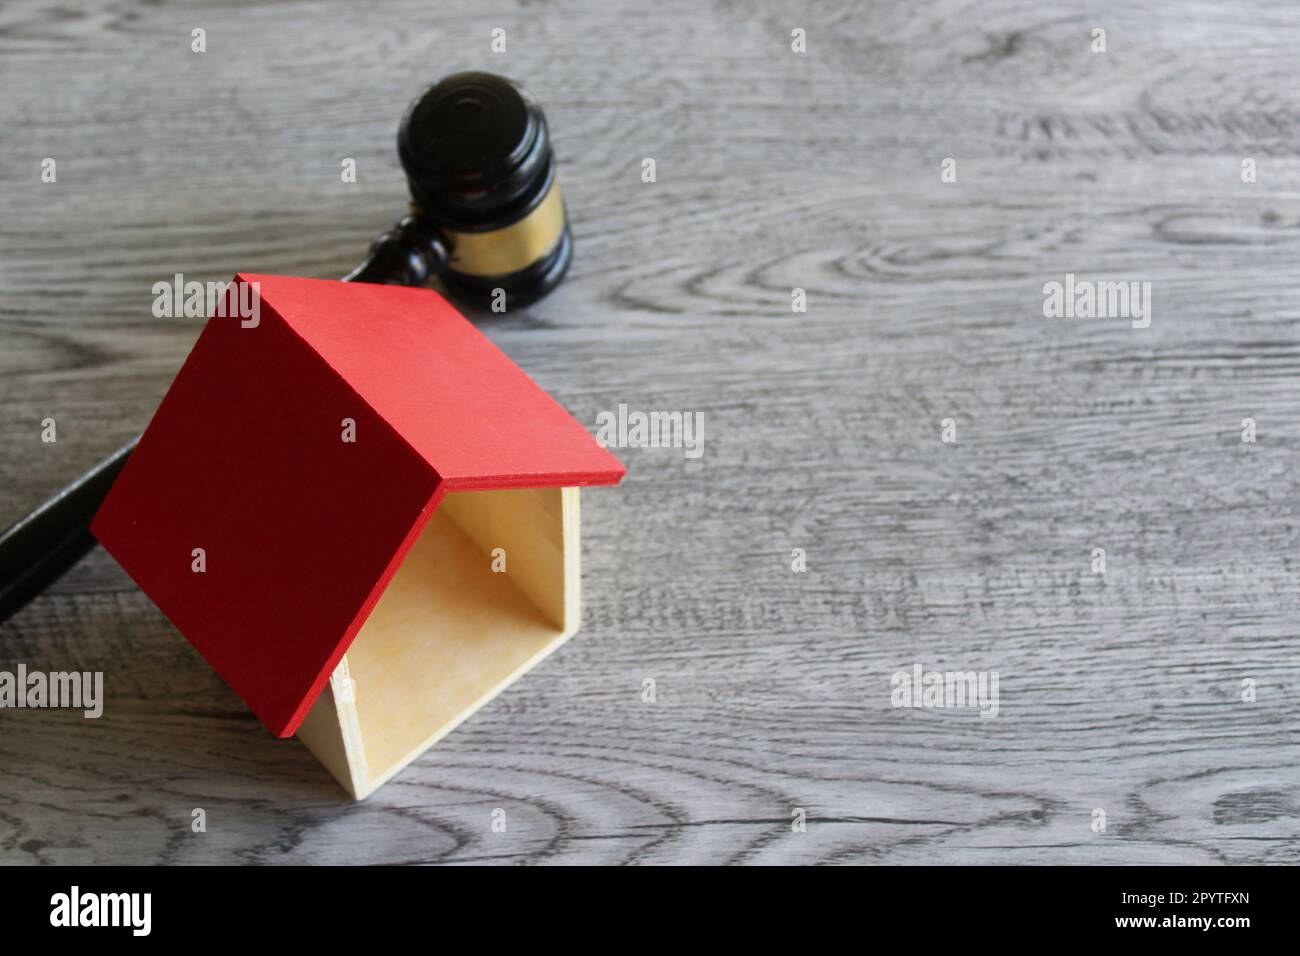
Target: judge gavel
487 222
486 212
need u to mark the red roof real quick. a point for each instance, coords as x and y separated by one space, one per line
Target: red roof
302 531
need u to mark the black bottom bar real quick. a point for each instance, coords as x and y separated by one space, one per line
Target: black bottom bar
935 909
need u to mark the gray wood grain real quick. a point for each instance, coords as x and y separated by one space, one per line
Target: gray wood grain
1119 691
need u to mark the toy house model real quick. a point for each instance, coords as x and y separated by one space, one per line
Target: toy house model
361 513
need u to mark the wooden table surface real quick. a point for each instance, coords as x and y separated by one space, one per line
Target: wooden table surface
1120 691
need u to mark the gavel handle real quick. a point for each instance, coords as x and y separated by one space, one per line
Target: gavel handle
411 253
39 548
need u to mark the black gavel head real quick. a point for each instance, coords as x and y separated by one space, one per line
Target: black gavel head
478 160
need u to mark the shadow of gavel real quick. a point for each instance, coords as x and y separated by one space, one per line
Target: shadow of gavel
487 222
